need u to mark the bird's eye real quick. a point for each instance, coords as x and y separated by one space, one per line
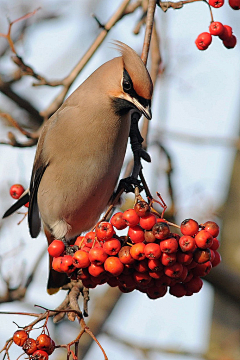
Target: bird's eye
127 85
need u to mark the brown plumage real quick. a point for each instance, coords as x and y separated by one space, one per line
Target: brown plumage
82 146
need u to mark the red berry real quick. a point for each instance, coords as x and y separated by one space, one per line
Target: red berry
187 243
19 337
56 248
30 346
189 227
126 280
168 259
39 355
184 257
141 266
97 256
136 234
113 265
95 270
164 280
156 274
227 33
203 41
137 251
16 191
177 290
169 245
89 239
183 275
192 265
124 255
173 271
149 237
81 259
188 277
118 222
142 278
131 217
79 241
155 264
112 247
216 3
204 239
155 292
235 4
148 221
83 274
113 282
161 230
142 208
217 259
56 264
43 342
152 251
51 348
212 228
231 42
100 279
201 256
215 244
104 230
202 269
66 264
125 289
194 285
216 28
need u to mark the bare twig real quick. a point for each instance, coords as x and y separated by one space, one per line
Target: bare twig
7 36
6 89
67 82
148 31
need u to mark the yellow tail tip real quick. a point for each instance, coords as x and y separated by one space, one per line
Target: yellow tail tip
52 291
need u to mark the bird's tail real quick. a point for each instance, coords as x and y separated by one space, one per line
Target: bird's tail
20 202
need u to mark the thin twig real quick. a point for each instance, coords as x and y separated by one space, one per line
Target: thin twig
148 31
67 82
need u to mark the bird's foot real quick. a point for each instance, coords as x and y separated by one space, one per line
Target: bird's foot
129 184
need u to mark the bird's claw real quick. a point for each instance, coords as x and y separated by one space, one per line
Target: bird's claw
129 184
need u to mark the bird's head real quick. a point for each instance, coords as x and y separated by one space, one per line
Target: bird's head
135 88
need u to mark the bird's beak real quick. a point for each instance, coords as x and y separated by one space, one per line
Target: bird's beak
145 110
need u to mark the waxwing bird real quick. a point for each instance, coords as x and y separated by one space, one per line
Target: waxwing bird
81 150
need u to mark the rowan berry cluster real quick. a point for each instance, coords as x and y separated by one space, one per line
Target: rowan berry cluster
150 258
38 349
224 32
216 28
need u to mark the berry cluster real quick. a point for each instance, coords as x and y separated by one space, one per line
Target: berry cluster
38 349
150 258
16 191
224 32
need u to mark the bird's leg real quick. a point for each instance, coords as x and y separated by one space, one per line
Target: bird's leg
136 140
136 145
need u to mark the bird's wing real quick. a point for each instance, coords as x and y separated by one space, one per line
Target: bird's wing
21 201
38 170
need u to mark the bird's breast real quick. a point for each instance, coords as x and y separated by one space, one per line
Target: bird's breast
83 172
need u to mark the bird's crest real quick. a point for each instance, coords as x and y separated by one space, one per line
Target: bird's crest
136 69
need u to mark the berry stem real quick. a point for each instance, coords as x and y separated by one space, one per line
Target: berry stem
172 224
